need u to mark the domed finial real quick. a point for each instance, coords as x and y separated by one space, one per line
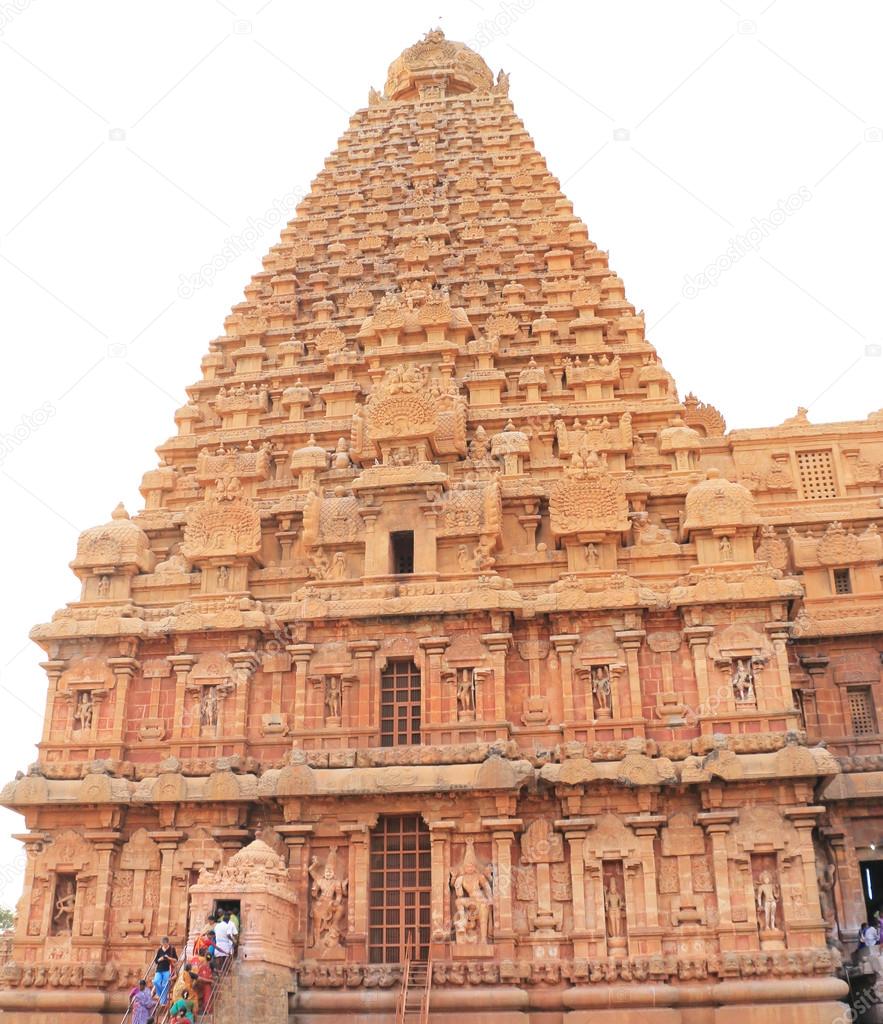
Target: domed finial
120 512
437 67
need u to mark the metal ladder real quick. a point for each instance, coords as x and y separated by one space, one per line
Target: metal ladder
412 1005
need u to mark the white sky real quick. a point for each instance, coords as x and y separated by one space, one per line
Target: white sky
139 137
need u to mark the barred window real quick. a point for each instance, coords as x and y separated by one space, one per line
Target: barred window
861 711
842 581
816 471
400 704
400 889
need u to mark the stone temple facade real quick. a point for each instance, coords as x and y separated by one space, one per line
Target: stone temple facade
447 621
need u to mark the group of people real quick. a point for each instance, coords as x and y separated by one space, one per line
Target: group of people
192 988
869 936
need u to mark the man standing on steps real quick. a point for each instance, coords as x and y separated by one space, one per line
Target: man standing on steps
226 934
166 956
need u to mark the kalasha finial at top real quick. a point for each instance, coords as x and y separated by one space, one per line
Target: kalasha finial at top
437 67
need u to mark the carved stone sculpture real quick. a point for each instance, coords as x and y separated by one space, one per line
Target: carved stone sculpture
328 909
473 900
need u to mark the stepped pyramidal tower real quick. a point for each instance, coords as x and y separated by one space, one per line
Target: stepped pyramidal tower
454 648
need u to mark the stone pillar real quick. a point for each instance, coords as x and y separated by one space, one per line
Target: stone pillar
244 664
374 565
167 841
848 899
363 655
33 843
503 832
565 645
646 828
357 902
53 670
440 839
697 638
430 689
630 640
296 837
717 824
804 819
181 664
300 655
105 844
231 840
123 670
774 699
498 645
575 831
426 550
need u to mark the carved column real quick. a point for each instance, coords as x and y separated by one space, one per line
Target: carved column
503 833
167 841
804 820
630 640
357 901
565 645
231 840
646 828
430 690
440 915
123 669
33 843
426 550
697 638
717 824
105 845
244 665
816 667
53 670
374 565
848 900
781 697
575 831
498 646
363 655
300 655
181 664
296 837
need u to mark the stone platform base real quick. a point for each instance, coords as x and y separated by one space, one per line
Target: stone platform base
795 1001
791 1001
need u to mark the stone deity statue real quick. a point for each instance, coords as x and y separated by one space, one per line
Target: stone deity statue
614 906
473 899
767 898
329 895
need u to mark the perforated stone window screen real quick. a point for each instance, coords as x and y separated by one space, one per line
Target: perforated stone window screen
816 471
842 581
861 711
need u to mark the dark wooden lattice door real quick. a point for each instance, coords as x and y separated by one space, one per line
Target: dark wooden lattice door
400 704
400 889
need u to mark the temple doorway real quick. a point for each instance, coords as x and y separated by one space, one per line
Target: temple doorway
400 889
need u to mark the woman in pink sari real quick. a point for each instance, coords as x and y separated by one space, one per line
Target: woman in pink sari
143 1002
